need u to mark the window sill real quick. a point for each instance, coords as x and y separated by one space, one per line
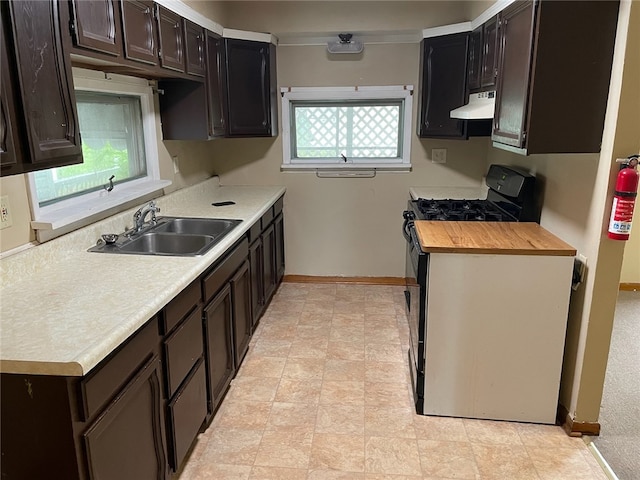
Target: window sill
58 222
339 167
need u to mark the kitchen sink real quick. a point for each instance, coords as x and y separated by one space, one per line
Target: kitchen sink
174 236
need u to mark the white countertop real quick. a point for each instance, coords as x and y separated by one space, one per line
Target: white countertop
64 309
443 193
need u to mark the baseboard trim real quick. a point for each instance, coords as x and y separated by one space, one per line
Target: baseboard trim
573 428
630 287
400 281
606 468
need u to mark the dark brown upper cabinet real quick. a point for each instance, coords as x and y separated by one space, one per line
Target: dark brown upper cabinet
474 63
554 70
251 88
443 74
96 26
216 85
42 95
9 142
482 66
140 31
238 98
489 63
194 48
171 35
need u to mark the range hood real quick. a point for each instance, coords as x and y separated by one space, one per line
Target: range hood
480 107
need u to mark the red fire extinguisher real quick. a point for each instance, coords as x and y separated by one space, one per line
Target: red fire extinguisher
624 200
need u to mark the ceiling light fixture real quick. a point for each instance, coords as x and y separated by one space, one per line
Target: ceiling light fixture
345 45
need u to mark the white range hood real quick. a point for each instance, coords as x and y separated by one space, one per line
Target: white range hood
480 107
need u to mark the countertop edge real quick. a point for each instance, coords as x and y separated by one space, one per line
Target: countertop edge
494 251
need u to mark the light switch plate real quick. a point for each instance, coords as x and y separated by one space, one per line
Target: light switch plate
439 155
5 212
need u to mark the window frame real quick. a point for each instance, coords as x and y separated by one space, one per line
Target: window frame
290 95
58 218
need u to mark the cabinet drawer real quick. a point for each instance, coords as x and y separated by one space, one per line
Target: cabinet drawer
255 230
267 218
182 349
187 413
223 271
277 207
180 306
106 380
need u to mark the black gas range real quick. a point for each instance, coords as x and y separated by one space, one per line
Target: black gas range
510 198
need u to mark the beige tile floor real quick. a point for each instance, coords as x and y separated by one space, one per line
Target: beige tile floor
324 393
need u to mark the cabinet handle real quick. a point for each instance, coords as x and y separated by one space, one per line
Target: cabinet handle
147 11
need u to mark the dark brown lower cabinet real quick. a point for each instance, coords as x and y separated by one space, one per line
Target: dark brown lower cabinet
241 295
278 225
218 328
186 413
268 262
255 266
127 440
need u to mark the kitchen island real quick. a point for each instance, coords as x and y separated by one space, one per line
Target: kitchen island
497 299
111 364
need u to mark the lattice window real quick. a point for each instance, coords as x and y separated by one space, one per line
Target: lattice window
352 131
347 127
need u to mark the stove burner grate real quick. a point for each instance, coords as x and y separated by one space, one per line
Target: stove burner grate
461 210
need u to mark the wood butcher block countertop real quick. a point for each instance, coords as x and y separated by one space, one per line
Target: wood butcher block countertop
506 238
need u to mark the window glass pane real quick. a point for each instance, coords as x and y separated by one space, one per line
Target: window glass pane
355 130
112 144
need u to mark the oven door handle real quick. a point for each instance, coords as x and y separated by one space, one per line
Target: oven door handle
409 217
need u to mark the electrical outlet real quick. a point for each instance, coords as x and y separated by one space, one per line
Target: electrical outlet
579 271
5 212
439 155
176 164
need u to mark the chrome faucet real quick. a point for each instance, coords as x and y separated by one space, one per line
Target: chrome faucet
139 218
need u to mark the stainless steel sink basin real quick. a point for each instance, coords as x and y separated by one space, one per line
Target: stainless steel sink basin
176 236
195 226
156 243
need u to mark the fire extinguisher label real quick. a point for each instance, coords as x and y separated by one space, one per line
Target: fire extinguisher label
621 215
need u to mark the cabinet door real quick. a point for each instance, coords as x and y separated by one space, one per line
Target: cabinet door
443 81
241 295
218 318
489 53
171 35
474 64
216 85
9 142
248 81
95 26
269 273
278 224
45 85
187 412
515 33
257 290
194 43
127 440
139 30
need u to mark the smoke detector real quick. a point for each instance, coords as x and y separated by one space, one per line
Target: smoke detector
345 45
